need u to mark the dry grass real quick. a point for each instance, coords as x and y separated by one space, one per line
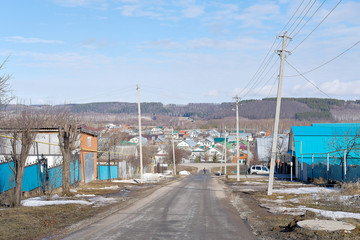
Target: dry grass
32 222
352 188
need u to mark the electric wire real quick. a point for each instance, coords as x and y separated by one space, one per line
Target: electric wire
327 62
269 51
260 89
253 86
299 15
309 19
303 17
312 83
272 87
317 25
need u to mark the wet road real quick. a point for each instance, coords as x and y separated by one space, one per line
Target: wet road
194 208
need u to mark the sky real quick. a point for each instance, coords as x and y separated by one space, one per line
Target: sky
183 51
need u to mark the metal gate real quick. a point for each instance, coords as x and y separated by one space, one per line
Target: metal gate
89 167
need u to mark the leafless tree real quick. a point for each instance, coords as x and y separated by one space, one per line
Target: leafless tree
68 136
22 129
179 154
349 141
5 90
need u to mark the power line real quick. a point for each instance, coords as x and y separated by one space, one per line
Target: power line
317 25
261 66
309 18
308 80
327 62
272 87
303 17
299 16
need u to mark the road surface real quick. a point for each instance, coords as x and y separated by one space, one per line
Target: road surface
193 208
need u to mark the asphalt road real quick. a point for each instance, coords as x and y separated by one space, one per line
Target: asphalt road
194 208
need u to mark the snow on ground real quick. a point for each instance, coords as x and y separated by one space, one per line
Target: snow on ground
41 201
304 190
184 173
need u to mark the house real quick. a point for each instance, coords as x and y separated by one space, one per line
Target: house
327 150
45 158
214 133
135 140
243 157
263 147
156 131
186 144
207 142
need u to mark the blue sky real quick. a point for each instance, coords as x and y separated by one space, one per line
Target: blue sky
78 51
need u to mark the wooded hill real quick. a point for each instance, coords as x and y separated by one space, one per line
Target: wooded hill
291 108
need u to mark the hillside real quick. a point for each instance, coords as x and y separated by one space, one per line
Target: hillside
312 109
291 108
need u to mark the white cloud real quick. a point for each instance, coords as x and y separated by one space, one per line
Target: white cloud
193 11
81 3
334 88
213 93
19 39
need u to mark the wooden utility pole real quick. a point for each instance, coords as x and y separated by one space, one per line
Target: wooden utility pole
140 135
277 115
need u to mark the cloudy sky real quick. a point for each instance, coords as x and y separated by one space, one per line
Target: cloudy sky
178 51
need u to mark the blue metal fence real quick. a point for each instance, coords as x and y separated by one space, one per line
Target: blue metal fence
35 176
106 172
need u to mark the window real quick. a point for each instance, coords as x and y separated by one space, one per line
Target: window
89 142
258 168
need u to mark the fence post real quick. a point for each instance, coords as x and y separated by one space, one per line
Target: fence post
327 167
344 165
302 168
109 169
312 167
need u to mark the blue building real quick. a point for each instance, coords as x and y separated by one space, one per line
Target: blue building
319 150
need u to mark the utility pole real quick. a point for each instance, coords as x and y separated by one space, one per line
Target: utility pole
225 151
140 135
248 152
173 148
277 114
237 139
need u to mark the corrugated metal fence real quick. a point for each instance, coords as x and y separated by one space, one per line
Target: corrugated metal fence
35 176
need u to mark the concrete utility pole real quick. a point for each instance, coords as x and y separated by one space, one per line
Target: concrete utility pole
225 152
277 115
237 139
248 152
173 148
140 135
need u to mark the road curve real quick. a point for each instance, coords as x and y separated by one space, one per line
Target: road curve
193 208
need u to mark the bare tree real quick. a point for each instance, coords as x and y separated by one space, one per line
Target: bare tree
22 130
68 135
179 154
5 90
349 141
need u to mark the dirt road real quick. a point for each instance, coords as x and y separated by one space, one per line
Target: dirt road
194 208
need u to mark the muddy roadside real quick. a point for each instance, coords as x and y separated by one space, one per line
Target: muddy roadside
57 221
250 199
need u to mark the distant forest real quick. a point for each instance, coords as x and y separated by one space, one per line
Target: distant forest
291 108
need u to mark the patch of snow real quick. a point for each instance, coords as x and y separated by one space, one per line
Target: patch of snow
73 190
41 201
253 182
85 195
100 200
125 181
304 190
334 214
184 172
